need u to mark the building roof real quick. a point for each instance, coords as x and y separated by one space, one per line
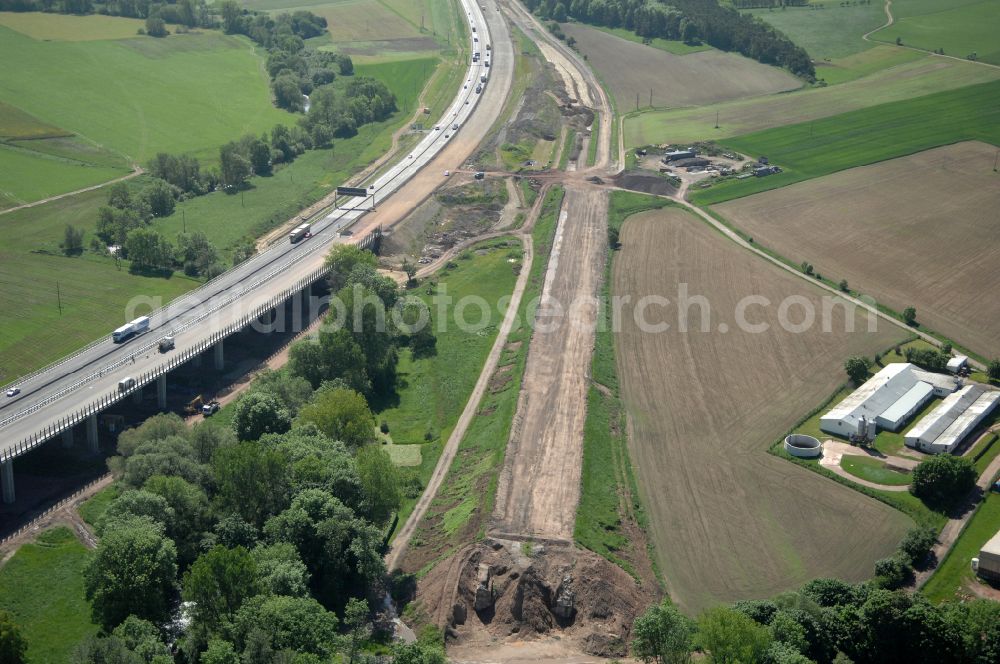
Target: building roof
957 362
906 404
967 421
933 425
876 394
993 546
942 382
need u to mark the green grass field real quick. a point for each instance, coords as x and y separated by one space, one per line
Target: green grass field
873 470
916 78
42 585
27 176
960 27
140 96
956 568
827 29
811 149
71 28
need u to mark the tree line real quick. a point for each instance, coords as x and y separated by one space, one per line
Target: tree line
826 621
692 21
261 541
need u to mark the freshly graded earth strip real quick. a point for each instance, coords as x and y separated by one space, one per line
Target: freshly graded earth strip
917 231
730 521
539 486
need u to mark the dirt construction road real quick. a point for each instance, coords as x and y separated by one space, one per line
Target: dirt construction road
539 486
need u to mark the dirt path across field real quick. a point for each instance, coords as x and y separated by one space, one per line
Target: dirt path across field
539 486
890 20
136 170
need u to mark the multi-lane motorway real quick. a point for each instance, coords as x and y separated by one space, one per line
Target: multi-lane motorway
63 389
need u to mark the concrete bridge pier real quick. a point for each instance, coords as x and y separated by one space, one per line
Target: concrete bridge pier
67 438
161 391
92 443
218 354
7 480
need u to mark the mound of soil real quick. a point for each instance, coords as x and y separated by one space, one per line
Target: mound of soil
501 590
647 183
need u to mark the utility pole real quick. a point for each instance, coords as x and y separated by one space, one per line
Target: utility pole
637 101
59 298
184 220
716 119
651 97
997 156
242 204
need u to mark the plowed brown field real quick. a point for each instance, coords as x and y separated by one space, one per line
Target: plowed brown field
917 231
730 521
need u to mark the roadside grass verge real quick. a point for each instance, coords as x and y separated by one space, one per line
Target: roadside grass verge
873 470
463 505
42 585
608 492
595 132
567 149
812 149
955 569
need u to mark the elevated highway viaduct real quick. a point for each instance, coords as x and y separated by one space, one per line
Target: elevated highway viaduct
68 395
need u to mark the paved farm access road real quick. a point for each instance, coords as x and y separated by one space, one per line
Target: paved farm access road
67 386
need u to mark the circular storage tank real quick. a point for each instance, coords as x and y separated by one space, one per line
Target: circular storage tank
801 445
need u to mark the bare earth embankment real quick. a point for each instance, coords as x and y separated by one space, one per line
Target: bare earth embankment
539 487
730 521
917 231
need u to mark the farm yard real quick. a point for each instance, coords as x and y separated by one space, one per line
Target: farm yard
959 27
916 78
728 520
813 149
705 77
914 231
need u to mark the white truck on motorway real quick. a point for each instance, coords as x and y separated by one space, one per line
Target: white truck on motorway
300 232
129 330
126 384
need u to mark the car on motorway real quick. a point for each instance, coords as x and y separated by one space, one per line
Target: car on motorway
455 126
447 173
437 128
14 391
211 408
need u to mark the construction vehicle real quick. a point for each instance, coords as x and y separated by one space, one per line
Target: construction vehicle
210 408
194 406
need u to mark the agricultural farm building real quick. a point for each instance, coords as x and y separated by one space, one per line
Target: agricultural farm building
764 171
674 155
987 565
958 363
944 428
692 162
889 398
